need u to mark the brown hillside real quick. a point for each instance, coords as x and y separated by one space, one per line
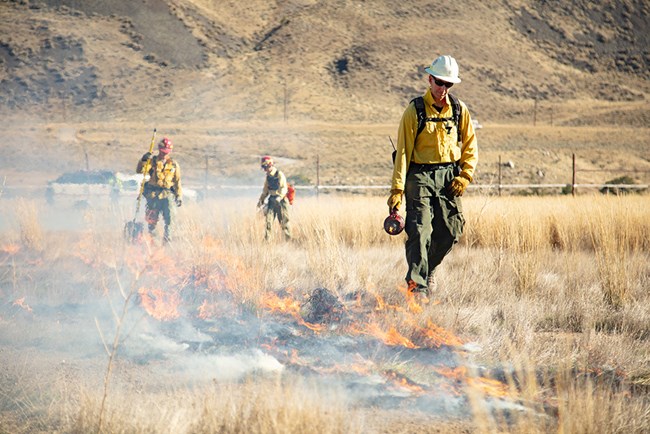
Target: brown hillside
299 78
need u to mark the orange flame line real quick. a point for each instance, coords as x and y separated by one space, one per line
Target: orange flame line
21 302
159 304
11 249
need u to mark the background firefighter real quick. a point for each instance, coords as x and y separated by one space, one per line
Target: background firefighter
276 188
433 166
163 189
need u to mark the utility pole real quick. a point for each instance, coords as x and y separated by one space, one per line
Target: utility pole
573 177
499 175
286 97
317 175
205 178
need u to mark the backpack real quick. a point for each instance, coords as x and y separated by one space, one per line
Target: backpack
291 193
422 119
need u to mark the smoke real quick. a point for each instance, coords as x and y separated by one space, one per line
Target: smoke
211 335
191 356
225 367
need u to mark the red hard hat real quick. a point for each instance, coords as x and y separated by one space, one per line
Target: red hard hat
394 224
165 146
266 161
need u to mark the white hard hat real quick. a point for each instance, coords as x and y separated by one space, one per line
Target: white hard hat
444 68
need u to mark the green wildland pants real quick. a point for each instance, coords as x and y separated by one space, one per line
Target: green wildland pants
434 219
158 202
277 208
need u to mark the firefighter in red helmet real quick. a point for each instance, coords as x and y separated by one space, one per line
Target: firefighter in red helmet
276 189
162 189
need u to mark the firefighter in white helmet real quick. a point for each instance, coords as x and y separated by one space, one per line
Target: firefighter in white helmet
276 189
435 160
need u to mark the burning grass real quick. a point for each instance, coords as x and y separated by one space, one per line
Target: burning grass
540 323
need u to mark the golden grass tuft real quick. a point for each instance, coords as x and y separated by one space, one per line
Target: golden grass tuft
31 232
284 404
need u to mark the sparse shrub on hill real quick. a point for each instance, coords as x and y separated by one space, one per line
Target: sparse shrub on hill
299 179
622 180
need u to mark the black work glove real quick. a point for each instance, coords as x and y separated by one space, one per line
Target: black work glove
146 156
179 202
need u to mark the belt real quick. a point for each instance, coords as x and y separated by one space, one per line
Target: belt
434 166
157 188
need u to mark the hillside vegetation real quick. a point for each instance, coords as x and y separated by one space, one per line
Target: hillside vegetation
304 77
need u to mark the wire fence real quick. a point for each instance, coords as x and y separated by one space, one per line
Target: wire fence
208 189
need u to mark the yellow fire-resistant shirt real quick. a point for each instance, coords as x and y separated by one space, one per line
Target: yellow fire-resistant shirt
165 175
436 143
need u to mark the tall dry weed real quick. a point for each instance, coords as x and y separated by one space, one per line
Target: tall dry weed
614 244
282 406
31 232
258 405
564 399
524 240
528 389
595 402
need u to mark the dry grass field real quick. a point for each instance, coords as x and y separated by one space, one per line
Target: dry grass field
540 323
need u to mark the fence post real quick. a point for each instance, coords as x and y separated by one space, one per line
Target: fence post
573 175
205 178
286 103
86 156
499 175
317 175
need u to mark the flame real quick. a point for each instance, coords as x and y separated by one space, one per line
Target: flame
268 346
274 302
487 386
381 304
162 263
404 382
317 328
10 249
21 302
293 357
457 373
160 304
412 301
429 337
363 368
358 365
412 304
290 306
92 251
391 337
230 272
207 310
435 335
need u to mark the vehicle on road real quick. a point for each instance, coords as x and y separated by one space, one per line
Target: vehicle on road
83 187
